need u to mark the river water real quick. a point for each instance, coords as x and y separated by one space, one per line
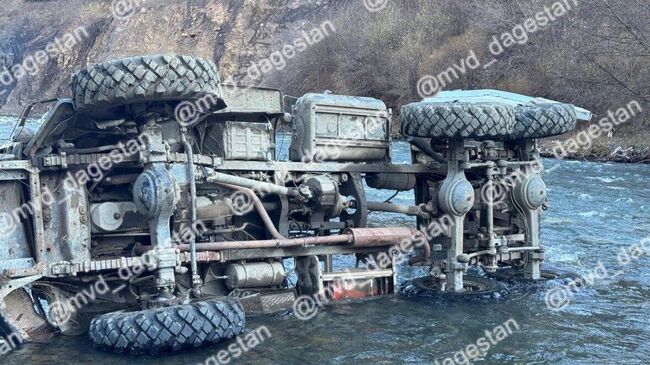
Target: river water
597 210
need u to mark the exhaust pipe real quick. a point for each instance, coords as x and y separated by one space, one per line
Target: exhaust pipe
356 237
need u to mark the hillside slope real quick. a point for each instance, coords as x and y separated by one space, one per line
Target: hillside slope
234 33
593 54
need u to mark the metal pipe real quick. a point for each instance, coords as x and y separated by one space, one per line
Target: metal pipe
474 165
490 212
196 279
380 237
492 261
356 237
519 163
414 211
494 251
218 177
231 230
490 252
259 206
274 243
521 249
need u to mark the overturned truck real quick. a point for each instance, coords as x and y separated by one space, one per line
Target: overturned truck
150 208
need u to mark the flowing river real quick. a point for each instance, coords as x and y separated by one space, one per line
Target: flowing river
599 214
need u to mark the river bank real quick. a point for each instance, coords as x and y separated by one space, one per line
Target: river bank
633 149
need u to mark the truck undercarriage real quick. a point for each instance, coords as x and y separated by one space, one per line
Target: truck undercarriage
156 191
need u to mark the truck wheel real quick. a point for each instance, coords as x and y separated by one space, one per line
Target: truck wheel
544 120
457 120
511 275
104 90
169 329
476 287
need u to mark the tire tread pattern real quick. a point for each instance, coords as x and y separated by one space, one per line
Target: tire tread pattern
457 120
143 79
544 120
169 329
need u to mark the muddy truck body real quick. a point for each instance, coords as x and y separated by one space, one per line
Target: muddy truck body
151 210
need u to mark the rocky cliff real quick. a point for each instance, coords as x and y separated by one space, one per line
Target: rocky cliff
43 42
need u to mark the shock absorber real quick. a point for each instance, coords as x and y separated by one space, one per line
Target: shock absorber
456 198
529 195
196 279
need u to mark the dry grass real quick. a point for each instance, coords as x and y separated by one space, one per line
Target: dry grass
587 57
630 148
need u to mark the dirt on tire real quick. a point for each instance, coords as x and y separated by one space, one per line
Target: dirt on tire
457 120
104 90
169 329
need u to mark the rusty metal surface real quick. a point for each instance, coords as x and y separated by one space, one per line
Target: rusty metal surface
14 247
257 203
380 237
274 243
65 218
322 167
356 237
358 284
20 312
238 165
97 266
41 246
397 208
251 254
299 207
65 161
17 310
201 257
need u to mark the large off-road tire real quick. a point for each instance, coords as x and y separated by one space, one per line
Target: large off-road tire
169 329
543 120
457 120
476 287
104 90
